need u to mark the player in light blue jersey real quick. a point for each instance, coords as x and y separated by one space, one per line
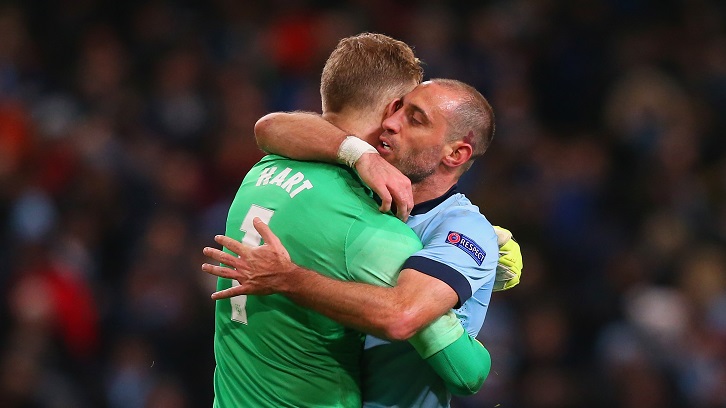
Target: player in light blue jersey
445 226
431 135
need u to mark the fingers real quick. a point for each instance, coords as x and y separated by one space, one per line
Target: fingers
403 199
228 293
266 233
504 273
393 188
219 271
386 201
220 256
231 244
403 209
507 261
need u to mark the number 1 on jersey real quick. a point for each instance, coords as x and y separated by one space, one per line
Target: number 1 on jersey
251 238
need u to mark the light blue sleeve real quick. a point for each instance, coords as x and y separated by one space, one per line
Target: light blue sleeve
461 250
472 313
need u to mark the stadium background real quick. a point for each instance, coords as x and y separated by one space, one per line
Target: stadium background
125 128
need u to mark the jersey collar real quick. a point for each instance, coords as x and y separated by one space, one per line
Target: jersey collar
426 206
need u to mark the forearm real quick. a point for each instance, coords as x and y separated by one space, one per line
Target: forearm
392 312
464 365
299 135
386 312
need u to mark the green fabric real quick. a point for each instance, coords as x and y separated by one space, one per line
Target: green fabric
463 365
271 352
437 335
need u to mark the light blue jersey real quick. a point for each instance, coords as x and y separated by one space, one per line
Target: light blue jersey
459 248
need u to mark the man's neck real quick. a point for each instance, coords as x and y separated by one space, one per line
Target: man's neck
432 187
428 205
356 124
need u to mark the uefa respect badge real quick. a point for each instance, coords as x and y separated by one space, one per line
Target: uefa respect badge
467 245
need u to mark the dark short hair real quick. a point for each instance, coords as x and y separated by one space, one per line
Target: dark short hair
473 118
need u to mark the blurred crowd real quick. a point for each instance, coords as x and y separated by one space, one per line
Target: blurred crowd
126 127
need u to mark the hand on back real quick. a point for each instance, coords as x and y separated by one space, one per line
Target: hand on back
259 270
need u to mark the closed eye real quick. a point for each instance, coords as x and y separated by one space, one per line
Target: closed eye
416 116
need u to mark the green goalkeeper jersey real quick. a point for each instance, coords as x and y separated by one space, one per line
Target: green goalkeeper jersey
271 352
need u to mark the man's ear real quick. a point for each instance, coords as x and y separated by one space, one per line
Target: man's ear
391 108
459 152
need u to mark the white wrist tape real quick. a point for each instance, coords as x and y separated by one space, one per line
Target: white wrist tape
352 149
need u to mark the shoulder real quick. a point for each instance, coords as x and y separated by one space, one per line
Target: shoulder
459 236
461 215
376 224
376 247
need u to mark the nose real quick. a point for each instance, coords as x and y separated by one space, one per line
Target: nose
387 125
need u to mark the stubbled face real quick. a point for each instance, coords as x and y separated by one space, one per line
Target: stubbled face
414 137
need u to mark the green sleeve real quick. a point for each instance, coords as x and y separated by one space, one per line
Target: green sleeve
438 334
463 365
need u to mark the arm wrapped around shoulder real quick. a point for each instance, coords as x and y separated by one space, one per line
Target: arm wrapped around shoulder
463 365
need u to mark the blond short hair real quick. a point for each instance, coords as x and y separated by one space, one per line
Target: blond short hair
367 70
